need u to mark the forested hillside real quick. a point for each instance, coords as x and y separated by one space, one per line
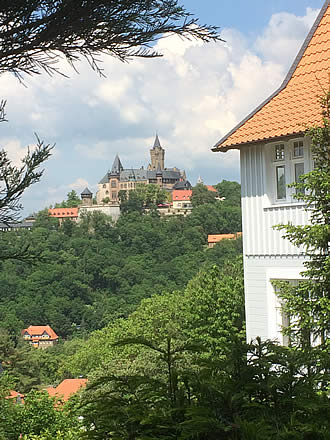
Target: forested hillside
87 274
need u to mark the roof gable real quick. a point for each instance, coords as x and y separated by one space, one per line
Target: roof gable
39 330
295 104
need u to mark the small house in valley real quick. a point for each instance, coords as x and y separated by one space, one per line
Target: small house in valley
213 239
67 388
40 336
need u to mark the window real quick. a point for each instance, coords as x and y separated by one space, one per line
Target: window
279 152
104 185
285 324
298 171
288 161
298 149
298 161
113 184
113 195
280 183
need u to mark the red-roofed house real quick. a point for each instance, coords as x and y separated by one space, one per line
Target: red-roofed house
40 336
67 388
63 213
275 152
215 238
181 198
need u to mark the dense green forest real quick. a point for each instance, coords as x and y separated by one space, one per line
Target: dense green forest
155 321
87 274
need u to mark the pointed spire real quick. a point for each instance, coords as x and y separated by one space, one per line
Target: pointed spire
200 180
86 192
116 166
157 142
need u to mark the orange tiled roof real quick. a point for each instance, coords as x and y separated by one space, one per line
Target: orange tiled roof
38 330
51 391
215 238
63 212
181 195
211 188
295 104
67 387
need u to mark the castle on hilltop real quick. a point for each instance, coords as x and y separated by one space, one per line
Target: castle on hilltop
121 179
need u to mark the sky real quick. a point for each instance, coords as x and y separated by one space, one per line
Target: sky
191 97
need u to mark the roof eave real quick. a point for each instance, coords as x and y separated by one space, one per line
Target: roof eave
224 148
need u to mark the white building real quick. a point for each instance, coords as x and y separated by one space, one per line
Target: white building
273 153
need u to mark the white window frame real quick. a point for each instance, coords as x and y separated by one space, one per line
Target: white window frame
289 162
297 160
277 163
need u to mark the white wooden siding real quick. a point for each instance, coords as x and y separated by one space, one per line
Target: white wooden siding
260 300
267 255
259 213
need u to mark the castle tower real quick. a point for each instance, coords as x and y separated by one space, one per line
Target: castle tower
114 180
116 167
86 197
157 155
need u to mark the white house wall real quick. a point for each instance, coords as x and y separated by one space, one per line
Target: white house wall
267 255
260 214
261 304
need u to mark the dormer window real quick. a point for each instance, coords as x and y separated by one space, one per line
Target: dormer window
279 152
298 149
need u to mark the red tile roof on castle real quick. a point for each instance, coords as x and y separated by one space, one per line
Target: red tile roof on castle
37 330
295 104
63 212
67 388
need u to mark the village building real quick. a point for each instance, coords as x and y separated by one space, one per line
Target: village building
213 239
40 336
64 213
273 153
125 179
181 198
67 388
27 223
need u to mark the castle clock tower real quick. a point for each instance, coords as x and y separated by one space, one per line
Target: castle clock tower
157 156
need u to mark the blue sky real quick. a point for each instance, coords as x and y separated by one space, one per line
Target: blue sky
192 97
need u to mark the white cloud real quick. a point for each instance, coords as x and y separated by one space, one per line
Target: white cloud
55 194
283 36
15 150
78 184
